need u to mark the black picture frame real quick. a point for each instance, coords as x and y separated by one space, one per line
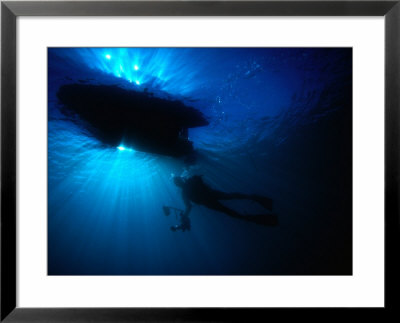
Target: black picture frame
10 10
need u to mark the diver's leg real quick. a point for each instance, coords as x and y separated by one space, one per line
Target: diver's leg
217 206
263 219
229 196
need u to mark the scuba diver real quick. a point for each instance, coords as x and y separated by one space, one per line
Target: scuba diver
196 191
184 218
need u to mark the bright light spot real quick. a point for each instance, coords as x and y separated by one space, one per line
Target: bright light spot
136 68
122 148
121 68
137 82
108 56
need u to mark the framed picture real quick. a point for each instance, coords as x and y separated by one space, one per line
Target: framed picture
197 161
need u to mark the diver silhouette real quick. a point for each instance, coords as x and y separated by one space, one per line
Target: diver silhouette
195 190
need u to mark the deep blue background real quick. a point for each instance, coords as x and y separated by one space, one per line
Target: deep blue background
280 125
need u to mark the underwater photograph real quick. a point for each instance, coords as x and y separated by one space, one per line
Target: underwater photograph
199 161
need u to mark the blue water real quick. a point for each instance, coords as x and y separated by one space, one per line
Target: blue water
280 126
